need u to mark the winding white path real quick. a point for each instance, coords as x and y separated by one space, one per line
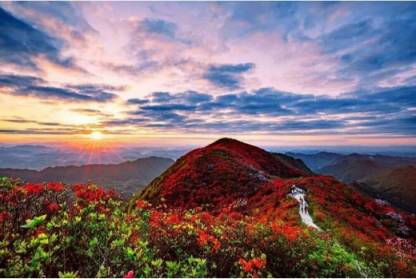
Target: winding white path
299 194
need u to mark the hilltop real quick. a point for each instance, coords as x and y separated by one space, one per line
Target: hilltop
219 173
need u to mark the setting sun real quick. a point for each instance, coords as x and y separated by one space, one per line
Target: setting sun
96 135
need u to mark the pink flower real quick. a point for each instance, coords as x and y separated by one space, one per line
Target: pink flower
129 274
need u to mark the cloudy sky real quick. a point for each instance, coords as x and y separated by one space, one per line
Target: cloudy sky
278 73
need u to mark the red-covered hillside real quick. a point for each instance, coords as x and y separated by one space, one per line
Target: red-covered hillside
229 175
226 210
218 174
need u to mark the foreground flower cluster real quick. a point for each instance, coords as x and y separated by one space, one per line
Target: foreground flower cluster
56 230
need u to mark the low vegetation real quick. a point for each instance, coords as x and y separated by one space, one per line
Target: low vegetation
58 230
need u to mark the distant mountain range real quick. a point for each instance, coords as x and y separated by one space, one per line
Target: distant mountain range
127 177
38 157
329 162
387 177
318 160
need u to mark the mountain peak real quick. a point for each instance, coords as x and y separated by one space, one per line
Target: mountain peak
226 141
225 170
230 143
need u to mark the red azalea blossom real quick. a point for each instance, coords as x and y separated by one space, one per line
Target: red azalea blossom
155 217
250 265
34 189
91 193
259 263
205 216
142 204
57 187
216 245
53 207
129 274
236 216
3 216
291 233
173 219
77 187
247 266
202 238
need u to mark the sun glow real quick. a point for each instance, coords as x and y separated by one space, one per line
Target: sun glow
96 135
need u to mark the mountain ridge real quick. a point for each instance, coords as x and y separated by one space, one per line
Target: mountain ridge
129 176
397 185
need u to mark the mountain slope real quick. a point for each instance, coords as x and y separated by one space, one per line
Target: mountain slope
127 176
292 162
318 160
380 176
353 168
219 173
231 175
397 185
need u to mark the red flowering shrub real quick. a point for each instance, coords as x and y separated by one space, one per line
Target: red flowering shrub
57 187
142 204
3 216
290 232
33 189
86 231
173 219
253 266
91 193
53 207
204 239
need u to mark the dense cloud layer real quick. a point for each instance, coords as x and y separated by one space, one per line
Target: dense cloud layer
381 111
36 87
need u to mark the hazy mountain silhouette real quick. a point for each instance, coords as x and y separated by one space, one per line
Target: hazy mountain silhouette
127 177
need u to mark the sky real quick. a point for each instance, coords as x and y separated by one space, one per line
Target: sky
275 73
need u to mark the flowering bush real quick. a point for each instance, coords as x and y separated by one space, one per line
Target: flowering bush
55 230
253 267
